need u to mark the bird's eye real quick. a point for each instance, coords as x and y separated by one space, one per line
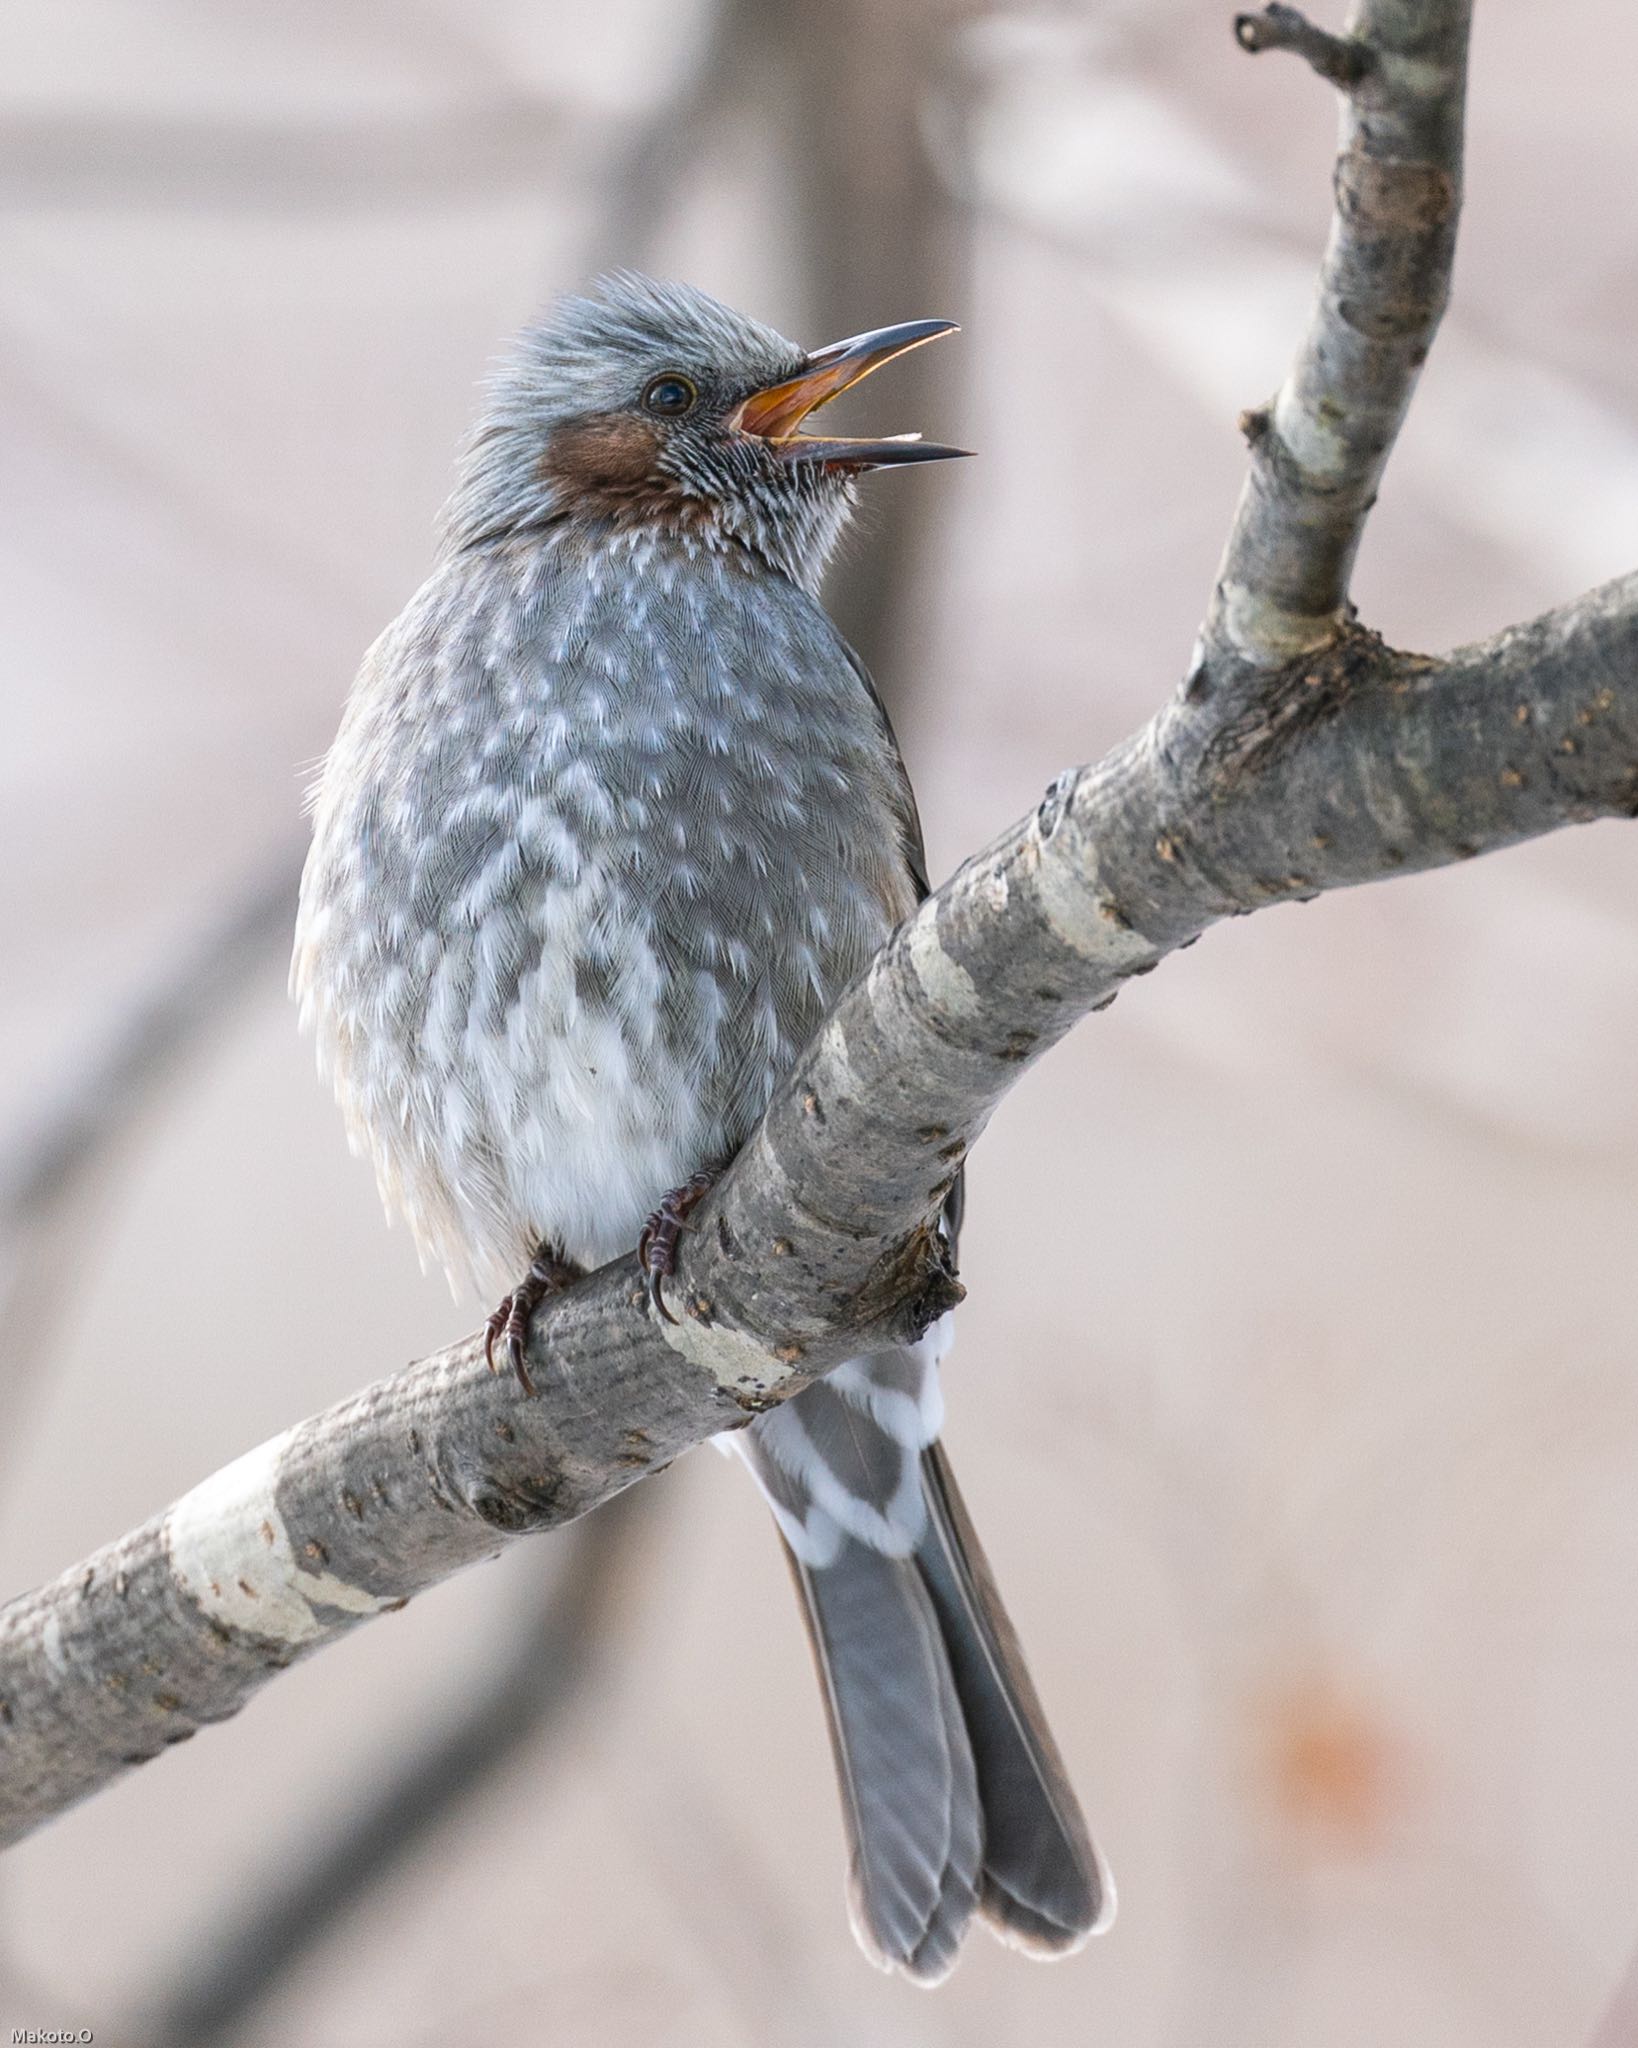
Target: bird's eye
670 394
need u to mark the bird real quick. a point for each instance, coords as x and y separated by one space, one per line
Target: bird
613 815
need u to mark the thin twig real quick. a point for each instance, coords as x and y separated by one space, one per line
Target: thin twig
1341 59
1319 451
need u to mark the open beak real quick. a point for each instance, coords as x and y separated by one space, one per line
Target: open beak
777 413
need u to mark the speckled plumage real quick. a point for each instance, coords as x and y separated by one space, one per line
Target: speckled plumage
612 817
577 894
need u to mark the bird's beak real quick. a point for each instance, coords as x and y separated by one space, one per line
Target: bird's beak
776 415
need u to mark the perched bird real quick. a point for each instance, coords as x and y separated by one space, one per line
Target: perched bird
613 815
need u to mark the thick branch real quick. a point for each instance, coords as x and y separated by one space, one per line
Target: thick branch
817 1245
1318 452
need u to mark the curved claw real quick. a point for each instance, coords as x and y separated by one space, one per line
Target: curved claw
548 1274
662 1233
517 1341
656 1295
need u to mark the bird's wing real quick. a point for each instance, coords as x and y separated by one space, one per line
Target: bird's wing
915 852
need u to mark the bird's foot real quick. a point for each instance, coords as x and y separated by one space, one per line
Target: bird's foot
662 1235
547 1275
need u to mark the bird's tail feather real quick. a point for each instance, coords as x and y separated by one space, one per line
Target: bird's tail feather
955 1798
909 1789
1044 1885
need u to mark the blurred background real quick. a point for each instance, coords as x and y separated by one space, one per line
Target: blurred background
1296 1391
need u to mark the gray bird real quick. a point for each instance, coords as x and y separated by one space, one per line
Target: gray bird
613 815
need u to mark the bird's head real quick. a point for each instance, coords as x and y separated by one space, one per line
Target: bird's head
654 406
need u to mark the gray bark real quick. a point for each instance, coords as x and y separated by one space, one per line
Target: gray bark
1318 452
1301 754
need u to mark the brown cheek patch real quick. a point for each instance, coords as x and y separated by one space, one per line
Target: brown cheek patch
607 455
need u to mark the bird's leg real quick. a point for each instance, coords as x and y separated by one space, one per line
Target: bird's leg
662 1233
548 1274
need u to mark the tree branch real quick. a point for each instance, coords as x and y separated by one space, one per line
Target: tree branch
1319 450
1340 59
1302 754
